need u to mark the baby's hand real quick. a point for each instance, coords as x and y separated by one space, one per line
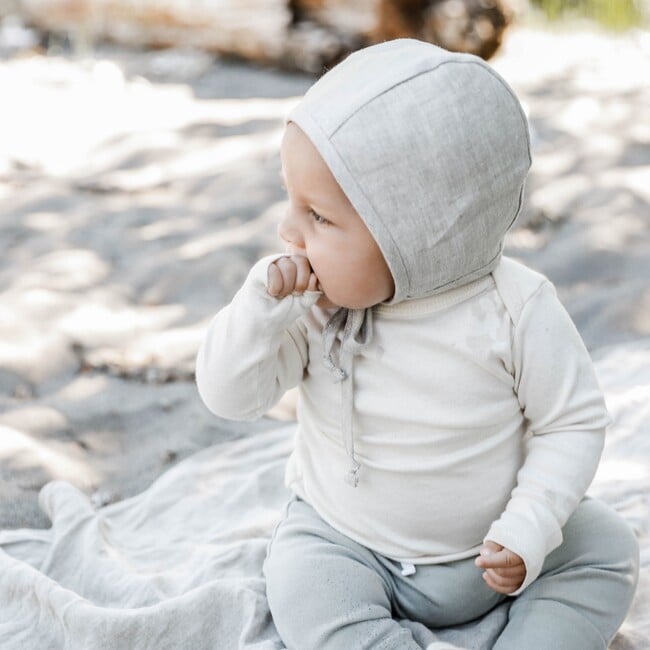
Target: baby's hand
290 274
505 570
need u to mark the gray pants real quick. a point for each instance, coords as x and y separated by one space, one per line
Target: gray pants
327 592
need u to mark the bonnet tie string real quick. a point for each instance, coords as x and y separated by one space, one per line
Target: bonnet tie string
357 327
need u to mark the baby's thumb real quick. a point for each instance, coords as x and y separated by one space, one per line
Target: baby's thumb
487 553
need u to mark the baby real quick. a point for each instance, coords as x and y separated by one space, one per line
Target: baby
449 417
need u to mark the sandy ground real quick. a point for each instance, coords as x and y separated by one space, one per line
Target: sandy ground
137 189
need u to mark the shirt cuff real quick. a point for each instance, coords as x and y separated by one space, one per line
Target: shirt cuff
526 541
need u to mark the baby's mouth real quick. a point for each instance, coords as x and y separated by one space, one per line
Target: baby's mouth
290 250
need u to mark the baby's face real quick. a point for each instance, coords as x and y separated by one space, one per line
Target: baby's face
321 224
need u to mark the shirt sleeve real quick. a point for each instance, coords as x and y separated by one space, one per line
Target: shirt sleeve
254 349
566 417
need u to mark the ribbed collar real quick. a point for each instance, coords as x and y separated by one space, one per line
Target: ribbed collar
421 306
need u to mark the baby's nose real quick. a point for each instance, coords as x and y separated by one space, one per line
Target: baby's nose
288 231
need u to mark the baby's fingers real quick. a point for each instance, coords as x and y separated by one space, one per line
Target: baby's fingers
511 572
501 585
514 575
290 275
502 560
303 273
274 283
289 272
497 579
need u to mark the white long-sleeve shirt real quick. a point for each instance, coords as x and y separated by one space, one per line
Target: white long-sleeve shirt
477 413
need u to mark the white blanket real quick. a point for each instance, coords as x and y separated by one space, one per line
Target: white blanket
179 565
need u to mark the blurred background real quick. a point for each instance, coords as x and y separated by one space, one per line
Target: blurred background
304 35
139 160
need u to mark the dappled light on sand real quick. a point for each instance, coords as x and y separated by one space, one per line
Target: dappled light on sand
24 453
92 103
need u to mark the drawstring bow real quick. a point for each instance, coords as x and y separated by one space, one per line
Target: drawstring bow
357 326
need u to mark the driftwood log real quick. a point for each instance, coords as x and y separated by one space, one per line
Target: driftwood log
307 35
474 26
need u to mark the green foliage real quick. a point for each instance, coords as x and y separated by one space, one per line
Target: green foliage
615 14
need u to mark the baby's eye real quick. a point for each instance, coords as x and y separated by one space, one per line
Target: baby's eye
317 217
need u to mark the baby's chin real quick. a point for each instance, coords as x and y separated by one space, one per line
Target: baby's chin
325 303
